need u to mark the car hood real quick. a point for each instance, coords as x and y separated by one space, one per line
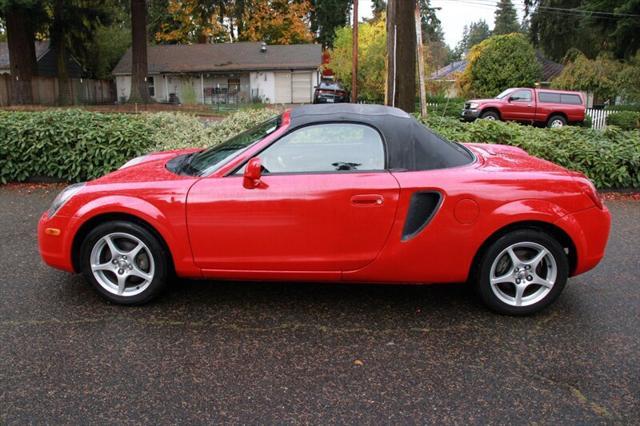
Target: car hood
483 101
147 168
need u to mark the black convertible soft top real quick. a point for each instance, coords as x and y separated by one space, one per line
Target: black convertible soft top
409 144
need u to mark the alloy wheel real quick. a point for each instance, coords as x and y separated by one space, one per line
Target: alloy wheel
122 264
523 274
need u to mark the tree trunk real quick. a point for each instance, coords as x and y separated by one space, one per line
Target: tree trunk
139 90
401 48
354 55
58 43
22 54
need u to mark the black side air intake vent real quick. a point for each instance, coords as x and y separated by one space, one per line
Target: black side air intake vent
422 207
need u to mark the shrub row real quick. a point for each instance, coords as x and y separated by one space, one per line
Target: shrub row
71 145
610 158
624 107
626 120
77 145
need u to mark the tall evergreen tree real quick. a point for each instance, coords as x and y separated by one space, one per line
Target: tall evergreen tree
326 17
506 18
72 32
555 32
472 35
431 25
401 70
139 90
19 18
378 7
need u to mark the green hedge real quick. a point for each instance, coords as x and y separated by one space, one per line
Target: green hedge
624 107
68 144
626 120
610 158
77 145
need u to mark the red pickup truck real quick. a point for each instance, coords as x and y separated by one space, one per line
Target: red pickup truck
553 108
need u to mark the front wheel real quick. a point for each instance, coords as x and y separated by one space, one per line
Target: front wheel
522 272
556 121
490 115
125 262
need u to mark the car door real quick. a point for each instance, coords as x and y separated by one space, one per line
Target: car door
520 106
325 203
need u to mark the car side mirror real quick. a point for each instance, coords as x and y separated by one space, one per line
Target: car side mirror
511 98
252 173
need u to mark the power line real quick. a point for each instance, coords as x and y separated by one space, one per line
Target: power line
597 13
553 10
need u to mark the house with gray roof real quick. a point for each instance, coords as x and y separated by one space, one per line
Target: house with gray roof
231 72
46 61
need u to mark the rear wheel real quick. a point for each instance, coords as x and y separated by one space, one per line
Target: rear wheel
556 121
490 115
125 262
522 272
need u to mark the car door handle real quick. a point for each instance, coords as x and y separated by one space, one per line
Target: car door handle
367 199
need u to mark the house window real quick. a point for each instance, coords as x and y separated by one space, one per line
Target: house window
151 87
234 85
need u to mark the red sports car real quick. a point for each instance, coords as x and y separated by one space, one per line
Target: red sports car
344 193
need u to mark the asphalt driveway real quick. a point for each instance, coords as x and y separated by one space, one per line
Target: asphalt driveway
308 353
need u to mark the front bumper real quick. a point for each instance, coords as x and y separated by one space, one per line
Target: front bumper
54 242
468 114
589 230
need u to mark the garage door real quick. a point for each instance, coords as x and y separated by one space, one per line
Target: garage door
283 87
301 87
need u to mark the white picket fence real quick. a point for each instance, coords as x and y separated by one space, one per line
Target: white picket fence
599 117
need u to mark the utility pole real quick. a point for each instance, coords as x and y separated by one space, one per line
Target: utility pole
420 49
354 61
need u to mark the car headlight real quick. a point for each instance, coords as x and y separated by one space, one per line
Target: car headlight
64 196
134 161
473 105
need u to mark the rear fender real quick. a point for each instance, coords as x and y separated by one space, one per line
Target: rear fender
527 212
523 210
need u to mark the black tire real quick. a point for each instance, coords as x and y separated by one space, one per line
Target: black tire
556 121
494 296
490 115
126 235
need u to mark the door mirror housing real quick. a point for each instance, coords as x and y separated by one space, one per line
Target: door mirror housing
252 173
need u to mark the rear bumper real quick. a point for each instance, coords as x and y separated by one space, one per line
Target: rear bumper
54 249
325 99
589 230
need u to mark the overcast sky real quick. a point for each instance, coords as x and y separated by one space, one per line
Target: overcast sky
455 14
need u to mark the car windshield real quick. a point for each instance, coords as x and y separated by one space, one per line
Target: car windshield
330 86
209 160
503 94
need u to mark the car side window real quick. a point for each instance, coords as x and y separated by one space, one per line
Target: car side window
521 96
329 147
570 99
548 97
